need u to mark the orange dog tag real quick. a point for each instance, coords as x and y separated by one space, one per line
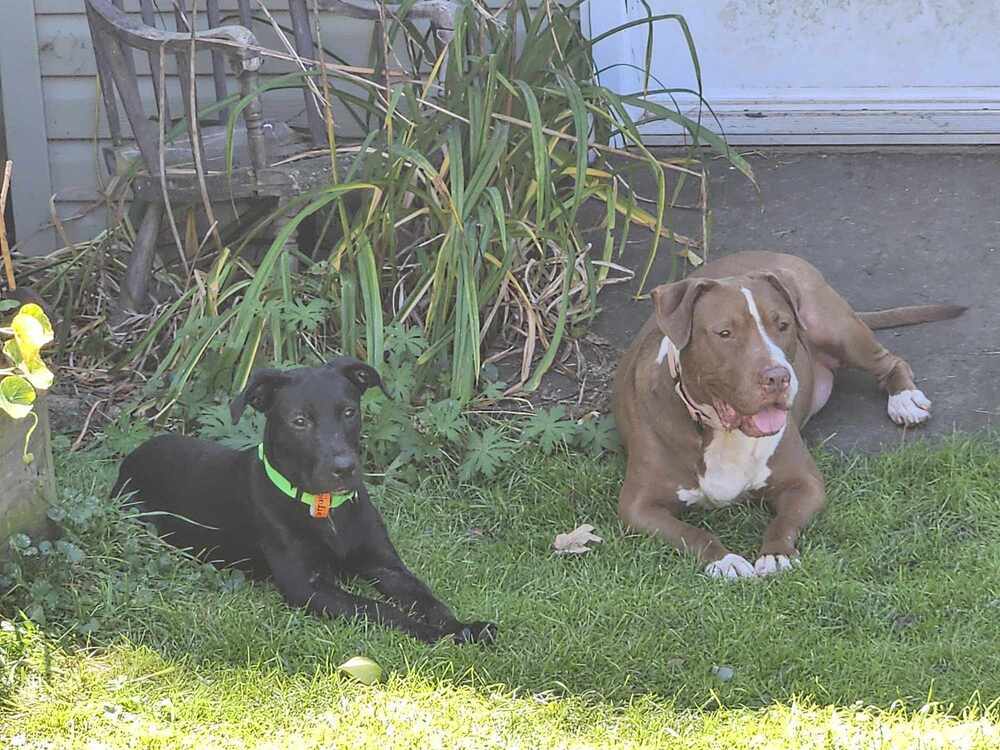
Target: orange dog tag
321 506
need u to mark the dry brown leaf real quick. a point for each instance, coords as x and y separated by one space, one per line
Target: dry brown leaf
576 541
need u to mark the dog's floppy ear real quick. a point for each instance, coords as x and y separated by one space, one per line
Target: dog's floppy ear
362 375
259 391
789 290
674 305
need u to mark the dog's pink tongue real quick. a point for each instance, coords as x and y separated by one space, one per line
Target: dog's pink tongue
769 420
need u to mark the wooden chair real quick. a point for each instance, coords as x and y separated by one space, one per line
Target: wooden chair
262 148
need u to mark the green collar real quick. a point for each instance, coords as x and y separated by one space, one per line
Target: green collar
321 509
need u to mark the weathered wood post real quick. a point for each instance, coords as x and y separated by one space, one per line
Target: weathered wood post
26 489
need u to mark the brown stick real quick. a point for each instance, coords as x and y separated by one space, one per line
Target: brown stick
86 424
8 267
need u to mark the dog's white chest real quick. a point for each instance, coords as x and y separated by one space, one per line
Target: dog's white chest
734 464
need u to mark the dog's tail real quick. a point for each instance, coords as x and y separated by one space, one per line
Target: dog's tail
896 317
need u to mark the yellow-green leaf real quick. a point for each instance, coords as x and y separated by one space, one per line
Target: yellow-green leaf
34 311
37 373
639 216
362 669
32 329
13 352
692 257
16 396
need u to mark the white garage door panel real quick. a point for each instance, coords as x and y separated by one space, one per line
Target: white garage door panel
809 71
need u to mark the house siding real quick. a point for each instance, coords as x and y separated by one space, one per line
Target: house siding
23 108
75 125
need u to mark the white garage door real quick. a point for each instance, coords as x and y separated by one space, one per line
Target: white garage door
817 71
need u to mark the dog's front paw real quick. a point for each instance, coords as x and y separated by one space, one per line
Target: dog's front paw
730 567
476 632
768 565
908 408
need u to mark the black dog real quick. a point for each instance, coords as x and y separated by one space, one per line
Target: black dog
263 509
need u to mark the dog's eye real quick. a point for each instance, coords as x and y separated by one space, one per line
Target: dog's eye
724 333
348 412
783 325
300 421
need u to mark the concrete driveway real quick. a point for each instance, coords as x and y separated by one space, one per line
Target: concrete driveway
887 227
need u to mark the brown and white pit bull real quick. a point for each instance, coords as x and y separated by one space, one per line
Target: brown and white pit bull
710 398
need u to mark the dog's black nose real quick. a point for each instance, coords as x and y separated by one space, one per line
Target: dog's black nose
343 466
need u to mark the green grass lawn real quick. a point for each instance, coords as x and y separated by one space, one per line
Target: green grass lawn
895 607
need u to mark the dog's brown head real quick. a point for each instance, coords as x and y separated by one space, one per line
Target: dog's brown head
737 341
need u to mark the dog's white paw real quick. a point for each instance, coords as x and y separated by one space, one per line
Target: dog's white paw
768 565
730 567
909 407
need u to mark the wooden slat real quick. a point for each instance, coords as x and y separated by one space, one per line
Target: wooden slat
246 18
71 107
305 47
127 53
128 89
66 49
149 18
108 93
185 22
218 61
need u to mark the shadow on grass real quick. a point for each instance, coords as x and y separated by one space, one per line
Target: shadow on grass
131 696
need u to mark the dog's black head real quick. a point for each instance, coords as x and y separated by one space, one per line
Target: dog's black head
313 429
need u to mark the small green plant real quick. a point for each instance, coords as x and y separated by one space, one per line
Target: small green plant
29 331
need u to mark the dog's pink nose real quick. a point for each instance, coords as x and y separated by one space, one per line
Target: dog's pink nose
775 379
